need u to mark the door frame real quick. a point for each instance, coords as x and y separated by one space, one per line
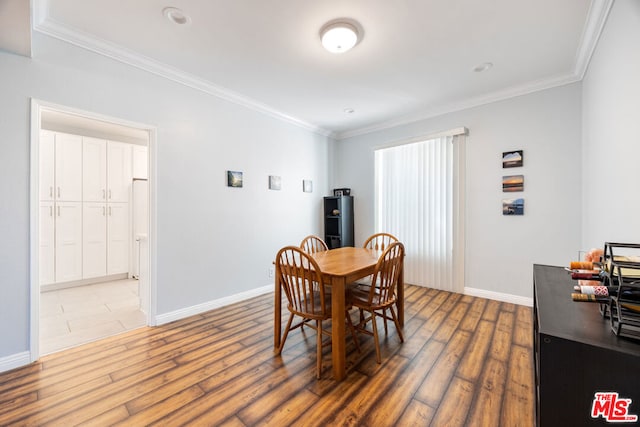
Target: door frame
37 106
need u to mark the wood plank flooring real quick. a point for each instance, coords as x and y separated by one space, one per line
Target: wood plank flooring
465 362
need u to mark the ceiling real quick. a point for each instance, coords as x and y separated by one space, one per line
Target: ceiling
415 60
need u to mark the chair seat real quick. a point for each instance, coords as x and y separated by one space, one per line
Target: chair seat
359 297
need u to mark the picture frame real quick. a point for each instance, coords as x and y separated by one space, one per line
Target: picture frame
307 186
275 182
512 159
234 179
512 207
512 183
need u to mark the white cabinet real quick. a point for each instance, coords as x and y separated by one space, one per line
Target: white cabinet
94 170
85 189
68 236
118 238
68 167
119 172
140 162
47 165
47 243
94 240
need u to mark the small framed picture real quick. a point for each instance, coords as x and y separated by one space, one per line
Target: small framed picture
307 186
512 159
234 179
274 182
511 183
513 207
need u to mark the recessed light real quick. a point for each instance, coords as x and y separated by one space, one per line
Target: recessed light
176 16
349 110
482 67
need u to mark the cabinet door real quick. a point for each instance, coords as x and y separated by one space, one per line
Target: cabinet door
140 162
47 243
68 167
68 241
94 240
118 171
94 170
118 238
47 164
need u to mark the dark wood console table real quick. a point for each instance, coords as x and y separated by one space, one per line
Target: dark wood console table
576 355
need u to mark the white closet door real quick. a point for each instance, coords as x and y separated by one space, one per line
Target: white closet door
119 172
47 243
94 240
118 238
94 170
47 155
68 241
68 167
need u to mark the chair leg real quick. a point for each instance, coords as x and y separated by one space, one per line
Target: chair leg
395 320
353 331
375 336
319 348
286 332
384 318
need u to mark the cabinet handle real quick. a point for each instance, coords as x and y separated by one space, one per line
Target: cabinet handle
104 211
50 210
58 210
58 192
109 210
51 192
109 194
104 196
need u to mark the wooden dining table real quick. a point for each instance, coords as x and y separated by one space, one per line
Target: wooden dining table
339 267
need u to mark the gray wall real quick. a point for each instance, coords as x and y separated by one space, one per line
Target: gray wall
500 250
213 241
611 132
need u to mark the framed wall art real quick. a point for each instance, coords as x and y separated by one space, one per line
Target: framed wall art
512 183
234 179
274 182
512 159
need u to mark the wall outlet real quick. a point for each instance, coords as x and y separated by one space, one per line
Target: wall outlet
271 271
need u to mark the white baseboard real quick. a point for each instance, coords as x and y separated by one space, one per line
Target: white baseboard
14 361
210 305
499 296
83 282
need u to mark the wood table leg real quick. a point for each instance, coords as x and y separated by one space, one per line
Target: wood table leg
338 347
277 311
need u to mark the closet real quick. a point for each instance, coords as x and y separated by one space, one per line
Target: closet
85 200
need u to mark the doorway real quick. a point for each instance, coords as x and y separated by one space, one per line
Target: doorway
92 247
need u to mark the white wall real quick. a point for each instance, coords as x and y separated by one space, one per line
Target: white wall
213 241
611 131
500 250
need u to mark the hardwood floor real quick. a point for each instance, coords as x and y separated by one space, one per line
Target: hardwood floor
465 361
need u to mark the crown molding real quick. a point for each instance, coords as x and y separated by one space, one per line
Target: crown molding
56 30
596 18
501 95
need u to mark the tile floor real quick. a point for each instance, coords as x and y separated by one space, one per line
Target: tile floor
74 316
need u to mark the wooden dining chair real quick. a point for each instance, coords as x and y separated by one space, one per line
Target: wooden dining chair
312 244
381 295
380 241
301 281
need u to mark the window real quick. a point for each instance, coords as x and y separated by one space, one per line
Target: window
419 197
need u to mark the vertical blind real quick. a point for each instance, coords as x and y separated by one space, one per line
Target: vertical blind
419 197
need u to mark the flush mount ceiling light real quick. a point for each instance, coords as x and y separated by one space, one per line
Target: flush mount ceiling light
339 36
176 16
